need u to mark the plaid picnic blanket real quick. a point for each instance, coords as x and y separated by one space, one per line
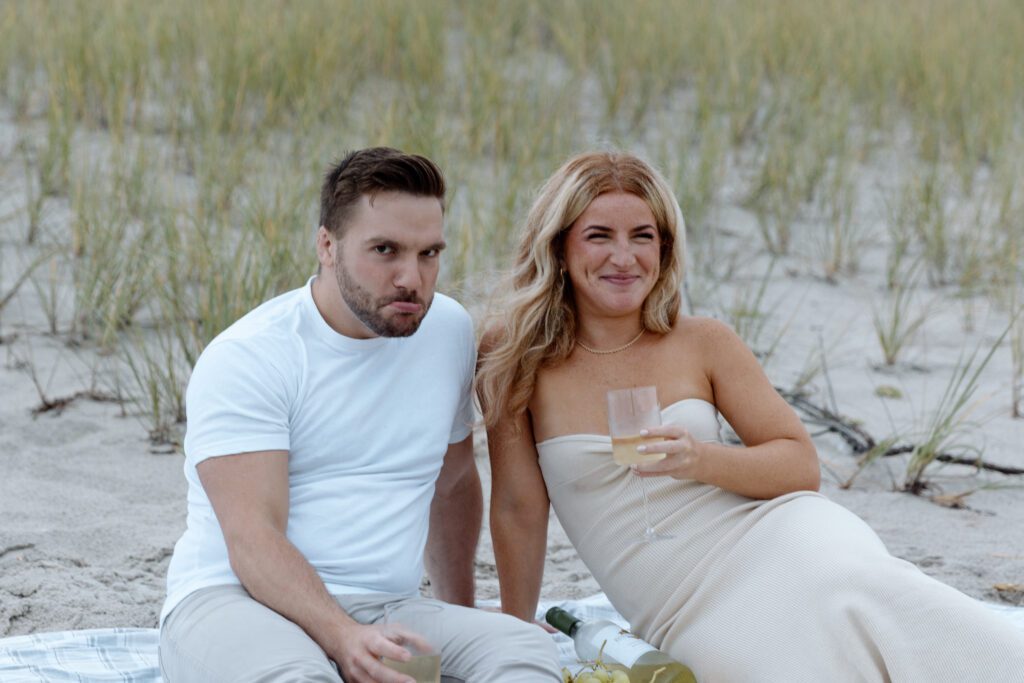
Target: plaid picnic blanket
129 655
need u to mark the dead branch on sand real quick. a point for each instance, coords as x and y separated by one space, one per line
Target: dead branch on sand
861 442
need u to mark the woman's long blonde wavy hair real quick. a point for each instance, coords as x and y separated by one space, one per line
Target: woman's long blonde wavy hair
536 325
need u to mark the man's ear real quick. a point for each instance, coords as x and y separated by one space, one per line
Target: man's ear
325 247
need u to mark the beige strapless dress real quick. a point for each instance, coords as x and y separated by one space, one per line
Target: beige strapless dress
796 588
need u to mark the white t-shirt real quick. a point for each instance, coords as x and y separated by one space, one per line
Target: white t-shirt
366 423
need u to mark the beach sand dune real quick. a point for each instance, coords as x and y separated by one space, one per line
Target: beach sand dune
91 511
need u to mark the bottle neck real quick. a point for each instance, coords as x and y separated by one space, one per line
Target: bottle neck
563 621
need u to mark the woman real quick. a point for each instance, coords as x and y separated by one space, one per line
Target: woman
763 579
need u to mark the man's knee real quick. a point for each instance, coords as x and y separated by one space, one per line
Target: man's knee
531 636
518 651
304 671
221 634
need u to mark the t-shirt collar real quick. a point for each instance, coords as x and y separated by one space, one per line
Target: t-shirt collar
329 335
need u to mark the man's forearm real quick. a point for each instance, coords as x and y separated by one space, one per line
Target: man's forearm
276 574
455 519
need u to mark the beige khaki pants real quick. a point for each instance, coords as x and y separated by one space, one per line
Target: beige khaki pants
221 634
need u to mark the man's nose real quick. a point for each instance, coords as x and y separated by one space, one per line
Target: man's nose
408 276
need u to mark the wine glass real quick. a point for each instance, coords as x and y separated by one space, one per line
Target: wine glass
630 411
417 626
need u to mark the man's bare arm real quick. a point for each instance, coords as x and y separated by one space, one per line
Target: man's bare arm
455 517
249 494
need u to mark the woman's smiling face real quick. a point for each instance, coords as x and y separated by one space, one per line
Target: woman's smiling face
613 255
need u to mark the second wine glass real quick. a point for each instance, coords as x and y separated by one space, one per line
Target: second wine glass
418 626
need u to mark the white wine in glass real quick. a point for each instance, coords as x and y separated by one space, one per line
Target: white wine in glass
423 668
629 412
422 622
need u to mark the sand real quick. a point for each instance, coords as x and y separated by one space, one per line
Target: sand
91 511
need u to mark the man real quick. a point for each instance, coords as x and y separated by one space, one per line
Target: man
329 443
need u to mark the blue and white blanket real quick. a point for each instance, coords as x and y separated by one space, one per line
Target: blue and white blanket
129 655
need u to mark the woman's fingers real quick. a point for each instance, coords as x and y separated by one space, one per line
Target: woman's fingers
677 447
674 439
667 431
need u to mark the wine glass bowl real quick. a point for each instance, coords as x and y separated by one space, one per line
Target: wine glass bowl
630 411
418 627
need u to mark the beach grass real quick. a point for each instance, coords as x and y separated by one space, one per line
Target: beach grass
170 153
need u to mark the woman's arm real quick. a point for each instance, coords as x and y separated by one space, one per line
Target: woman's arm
519 515
778 455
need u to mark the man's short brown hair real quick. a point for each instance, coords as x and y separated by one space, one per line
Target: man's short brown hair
372 170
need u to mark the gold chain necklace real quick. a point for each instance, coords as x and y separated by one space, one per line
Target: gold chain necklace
625 346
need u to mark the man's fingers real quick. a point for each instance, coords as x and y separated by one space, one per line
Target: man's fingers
389 645
396 633
379 672
370 644
418 642
353 672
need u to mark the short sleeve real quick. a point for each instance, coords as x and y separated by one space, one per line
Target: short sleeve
237 401
465 415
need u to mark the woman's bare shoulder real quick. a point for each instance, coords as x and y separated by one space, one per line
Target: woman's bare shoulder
702 330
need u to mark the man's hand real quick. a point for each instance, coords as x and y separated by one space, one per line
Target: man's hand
360 647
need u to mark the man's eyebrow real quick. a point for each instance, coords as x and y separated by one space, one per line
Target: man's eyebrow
397 246
383 242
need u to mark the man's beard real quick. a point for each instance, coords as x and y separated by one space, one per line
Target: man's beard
368 311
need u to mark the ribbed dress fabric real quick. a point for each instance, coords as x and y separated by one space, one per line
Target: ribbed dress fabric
796 588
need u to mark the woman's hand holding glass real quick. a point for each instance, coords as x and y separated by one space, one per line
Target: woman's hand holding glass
682 453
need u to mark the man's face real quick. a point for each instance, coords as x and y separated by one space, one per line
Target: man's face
387 260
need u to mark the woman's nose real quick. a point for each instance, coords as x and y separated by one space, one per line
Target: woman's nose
622 254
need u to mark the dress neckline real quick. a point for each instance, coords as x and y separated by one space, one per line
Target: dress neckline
605 437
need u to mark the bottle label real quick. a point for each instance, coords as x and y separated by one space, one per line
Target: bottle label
622 646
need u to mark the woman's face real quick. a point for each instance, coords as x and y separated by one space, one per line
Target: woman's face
613 255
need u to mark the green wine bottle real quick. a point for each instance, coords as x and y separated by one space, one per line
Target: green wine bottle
641 660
